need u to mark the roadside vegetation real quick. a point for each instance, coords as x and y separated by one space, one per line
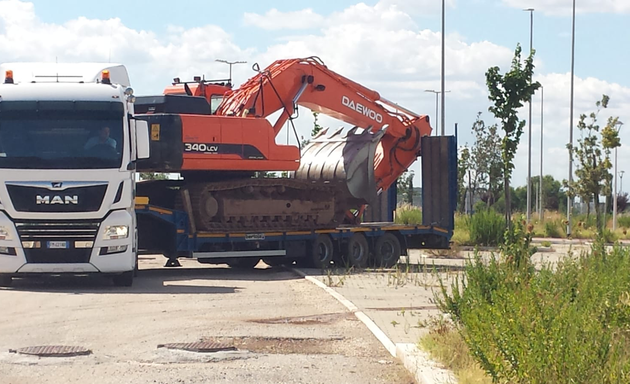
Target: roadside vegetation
518 322
561 324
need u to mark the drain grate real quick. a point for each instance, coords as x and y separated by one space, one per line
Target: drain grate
52 351
200 346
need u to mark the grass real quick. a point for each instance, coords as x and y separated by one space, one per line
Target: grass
554 325
446 346
486 227
478 230
408 214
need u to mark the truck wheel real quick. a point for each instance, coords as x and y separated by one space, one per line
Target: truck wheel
243 263
358 251
125 279
387 251
322 251
6 280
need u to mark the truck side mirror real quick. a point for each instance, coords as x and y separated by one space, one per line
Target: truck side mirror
142 139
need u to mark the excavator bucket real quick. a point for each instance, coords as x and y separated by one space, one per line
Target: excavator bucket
343 159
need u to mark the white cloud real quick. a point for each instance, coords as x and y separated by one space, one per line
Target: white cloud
415 7
556 121
564 7
276 20
151 61
383 50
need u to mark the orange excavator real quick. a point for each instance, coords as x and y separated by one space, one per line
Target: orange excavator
220 139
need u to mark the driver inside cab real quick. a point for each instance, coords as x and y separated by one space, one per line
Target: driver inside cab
102 139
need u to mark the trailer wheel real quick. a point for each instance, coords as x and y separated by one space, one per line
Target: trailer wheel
6 280
243 262
125 279
358 251
322 251
387 251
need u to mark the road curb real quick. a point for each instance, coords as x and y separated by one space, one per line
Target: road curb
415 361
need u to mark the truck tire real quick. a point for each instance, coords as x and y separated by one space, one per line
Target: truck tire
6 280
321 252
243 262
358 251
386 251
125 279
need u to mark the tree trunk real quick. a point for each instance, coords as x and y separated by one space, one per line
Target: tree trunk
490 196
598 214
508 204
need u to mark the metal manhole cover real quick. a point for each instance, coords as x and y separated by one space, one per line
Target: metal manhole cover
53 351
201 346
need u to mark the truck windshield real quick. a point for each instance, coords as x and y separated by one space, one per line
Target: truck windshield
60 139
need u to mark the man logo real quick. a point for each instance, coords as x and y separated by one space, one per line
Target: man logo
65 200
57 184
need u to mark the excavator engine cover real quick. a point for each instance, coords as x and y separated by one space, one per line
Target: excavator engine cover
345 161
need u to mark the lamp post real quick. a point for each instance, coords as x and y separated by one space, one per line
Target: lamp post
569 200
621 181
442 73
436 108
230 63
542 114
529 146
615 186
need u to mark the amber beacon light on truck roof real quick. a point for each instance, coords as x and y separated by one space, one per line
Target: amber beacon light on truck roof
8 77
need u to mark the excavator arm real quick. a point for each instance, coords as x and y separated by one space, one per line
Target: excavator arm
372 157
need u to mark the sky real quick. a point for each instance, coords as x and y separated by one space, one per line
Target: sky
391 46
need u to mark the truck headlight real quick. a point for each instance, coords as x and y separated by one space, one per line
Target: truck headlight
5 233
114 232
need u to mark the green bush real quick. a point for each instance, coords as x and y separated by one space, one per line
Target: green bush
408 214
623 221
608 236
562 324
486 227
553 228
585 222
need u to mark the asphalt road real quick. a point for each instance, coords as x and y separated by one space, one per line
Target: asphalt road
279 327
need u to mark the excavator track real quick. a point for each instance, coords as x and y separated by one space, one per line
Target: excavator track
262 204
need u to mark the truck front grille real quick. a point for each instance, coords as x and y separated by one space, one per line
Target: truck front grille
37 238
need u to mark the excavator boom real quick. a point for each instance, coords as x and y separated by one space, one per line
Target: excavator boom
373 157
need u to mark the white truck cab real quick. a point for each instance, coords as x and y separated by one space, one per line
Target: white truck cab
68 149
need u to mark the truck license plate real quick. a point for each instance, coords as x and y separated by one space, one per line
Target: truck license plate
57 244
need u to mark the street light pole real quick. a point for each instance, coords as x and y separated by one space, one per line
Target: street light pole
529 146
615 186
569 199
436 107
615 195
230 63
442 75
542 114
621 181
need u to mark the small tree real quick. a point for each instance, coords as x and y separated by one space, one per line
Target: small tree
485 160
316 129
593 158
463 162
622 202
507 94
405 187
